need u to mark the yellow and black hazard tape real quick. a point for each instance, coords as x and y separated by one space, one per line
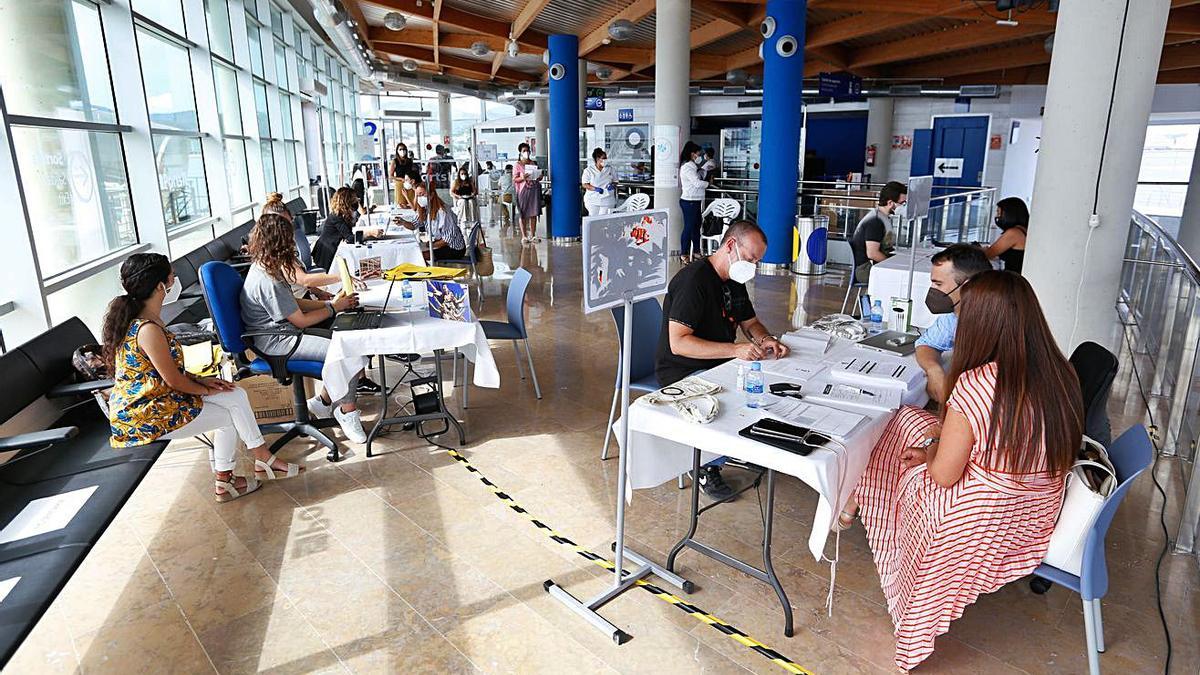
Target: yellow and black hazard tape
699 614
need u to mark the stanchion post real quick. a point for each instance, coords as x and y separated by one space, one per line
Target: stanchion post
626 348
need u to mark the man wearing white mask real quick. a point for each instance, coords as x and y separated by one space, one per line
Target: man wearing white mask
705 305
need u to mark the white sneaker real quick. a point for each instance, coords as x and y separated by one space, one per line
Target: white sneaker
351 425
318 409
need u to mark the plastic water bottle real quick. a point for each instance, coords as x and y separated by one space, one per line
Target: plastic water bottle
754 385
406 294
741 377
877 315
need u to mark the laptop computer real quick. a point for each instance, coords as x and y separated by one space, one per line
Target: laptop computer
359 319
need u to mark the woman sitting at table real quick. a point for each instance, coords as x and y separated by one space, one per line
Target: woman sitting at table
1012 217
311 282
339 227
267 303
959 506
153 398
439 221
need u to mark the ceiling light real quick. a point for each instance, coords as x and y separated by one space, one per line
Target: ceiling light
394 21
524 85
513 50
409 65
480 48
604 73
621 29
736 76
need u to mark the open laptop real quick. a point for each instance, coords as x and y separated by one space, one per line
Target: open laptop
358 319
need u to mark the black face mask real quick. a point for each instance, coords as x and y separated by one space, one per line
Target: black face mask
999 222
938 302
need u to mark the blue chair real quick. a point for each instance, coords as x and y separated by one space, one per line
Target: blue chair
222 287
303 247
1131 454
514 329
647 323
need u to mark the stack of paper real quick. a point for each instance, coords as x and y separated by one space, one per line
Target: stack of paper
839 394
828 421
873 369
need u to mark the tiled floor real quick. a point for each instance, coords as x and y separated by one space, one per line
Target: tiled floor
406 563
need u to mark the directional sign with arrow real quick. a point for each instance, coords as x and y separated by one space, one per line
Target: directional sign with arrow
948 167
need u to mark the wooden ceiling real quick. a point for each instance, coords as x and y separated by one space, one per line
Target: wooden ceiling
948 42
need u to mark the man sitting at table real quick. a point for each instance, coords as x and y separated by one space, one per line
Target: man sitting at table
439 221
706 303
952 267
869 241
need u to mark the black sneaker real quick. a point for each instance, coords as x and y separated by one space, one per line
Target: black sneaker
713 485
368 386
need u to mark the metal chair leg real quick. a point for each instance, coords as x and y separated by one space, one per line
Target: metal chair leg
466 385
529 355
612 413
517 351
1089 629
1099 626
849 288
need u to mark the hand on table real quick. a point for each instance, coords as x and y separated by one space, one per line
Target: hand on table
320 293
345 302
374 232
747 351
359 284
773 347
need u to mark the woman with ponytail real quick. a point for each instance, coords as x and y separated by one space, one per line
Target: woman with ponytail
153 398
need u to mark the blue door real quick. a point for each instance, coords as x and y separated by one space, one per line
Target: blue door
962 140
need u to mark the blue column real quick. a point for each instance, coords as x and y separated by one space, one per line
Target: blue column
564 135
783 73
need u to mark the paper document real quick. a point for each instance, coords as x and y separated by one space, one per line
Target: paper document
794 367
867 368
829 421
807 341
867 397
46 515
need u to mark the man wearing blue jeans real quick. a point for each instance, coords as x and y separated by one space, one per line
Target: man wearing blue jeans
705 305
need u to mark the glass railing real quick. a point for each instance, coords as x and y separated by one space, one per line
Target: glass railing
1159 305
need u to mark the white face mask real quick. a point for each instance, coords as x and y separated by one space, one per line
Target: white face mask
173 292
524 155
403 154
408 185
741 271
462 176
422 201
698 161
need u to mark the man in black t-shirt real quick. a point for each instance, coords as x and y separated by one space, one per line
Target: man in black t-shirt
867 241
705 305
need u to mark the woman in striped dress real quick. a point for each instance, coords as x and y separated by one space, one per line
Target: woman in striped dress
960 505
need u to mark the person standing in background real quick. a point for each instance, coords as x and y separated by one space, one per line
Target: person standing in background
402 172
599 184
690 200
504 181
527 179
464 193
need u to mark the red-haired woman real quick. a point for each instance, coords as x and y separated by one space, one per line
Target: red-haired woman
960 505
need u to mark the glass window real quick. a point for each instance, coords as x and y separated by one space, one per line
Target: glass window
268 163
260 105
187 240
52 61
282 79
166 13
77 192
498 111
1164 173
228 106
276 22
181 180
285 115
299 36
251 7
167 76
289 160
88 299
236 172
256 59
220 37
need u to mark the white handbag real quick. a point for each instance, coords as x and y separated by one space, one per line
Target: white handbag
1081 506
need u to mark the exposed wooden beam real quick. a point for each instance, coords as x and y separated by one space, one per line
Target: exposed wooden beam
851 27
631 55
940 42
1037 74
732 13
733 61
1181 76
1184 21
712 31
635 12
360 21
994 60
476 68
452 16
1180 58
528 13
830 56
408 36
497 61
437 47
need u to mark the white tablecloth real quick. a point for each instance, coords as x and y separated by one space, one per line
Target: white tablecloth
662 443
391 252
413 332
889 279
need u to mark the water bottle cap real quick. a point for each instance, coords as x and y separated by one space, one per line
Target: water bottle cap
756 366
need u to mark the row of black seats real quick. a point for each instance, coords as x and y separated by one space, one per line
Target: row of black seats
73 455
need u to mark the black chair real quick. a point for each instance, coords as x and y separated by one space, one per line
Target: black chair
1096 368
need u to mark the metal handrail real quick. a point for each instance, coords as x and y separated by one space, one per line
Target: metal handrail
1159 304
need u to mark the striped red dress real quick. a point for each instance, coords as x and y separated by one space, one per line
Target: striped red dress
938 549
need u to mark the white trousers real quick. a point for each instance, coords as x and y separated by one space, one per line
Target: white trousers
229 415
599 210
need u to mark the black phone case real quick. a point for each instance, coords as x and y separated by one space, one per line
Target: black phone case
801 449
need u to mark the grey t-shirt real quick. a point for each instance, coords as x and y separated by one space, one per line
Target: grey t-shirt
267 303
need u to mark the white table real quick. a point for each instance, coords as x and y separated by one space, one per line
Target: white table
665 445
391 252
889 279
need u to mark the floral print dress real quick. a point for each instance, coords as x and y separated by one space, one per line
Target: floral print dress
142 407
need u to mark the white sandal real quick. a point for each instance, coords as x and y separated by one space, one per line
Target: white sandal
230 490
265 471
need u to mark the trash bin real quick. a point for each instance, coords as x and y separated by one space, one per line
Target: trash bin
810 245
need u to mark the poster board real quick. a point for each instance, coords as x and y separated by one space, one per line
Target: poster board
624 254
920 189
666 153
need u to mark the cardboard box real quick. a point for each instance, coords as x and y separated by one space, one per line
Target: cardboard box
271 401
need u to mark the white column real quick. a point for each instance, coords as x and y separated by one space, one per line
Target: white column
445 122
879 134
672 114
1098 100
541 132
1189 223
